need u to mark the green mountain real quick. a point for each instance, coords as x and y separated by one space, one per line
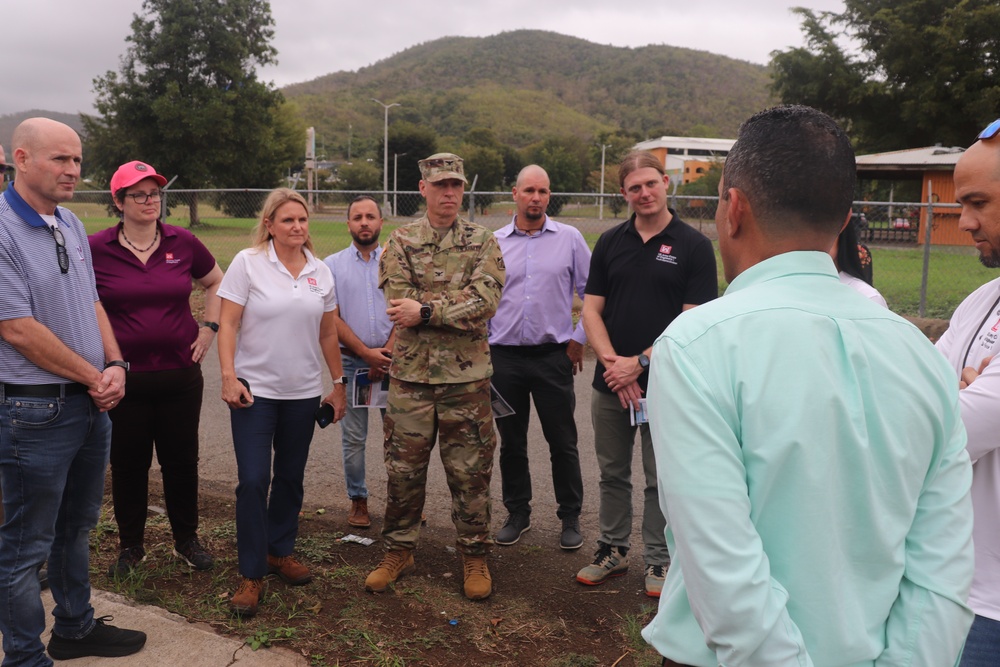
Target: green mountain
526 85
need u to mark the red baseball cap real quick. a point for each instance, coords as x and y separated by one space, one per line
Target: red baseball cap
131 173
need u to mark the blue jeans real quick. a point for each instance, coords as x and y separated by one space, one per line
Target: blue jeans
53 454
354 434
982 647
268 524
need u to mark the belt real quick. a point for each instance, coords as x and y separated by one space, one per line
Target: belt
533 350
44 390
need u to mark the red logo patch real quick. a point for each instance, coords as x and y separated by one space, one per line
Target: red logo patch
665 249
170 256
312 281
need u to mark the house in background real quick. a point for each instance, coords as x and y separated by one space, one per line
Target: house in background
934 167
686 159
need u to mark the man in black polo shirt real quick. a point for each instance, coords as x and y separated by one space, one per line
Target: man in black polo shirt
643 273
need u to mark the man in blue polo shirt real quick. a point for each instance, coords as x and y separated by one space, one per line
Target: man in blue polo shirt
60 372
365 332
643 274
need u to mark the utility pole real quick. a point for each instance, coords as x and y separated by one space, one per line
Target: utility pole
395 186
385 153
600 215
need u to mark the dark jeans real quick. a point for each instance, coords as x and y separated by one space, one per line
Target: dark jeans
53 453
161 409
982 648
667 662
268 524
545 373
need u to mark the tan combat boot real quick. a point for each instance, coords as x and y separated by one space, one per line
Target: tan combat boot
246 598
394 565
478 583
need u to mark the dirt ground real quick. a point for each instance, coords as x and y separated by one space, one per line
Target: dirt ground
538 614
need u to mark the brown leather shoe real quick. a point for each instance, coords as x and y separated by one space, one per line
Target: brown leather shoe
359 513
394 565
246 598
478 582
291 571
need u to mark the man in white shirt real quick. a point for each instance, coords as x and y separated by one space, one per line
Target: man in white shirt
970 344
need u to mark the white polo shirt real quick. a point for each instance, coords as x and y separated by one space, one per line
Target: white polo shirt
277 350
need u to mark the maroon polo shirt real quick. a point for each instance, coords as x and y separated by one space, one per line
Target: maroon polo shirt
149 305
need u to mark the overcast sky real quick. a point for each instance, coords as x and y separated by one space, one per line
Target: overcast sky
55 48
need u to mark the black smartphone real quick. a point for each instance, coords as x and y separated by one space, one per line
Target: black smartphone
243 399
324 415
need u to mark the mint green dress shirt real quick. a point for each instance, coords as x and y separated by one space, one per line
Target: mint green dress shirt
812 468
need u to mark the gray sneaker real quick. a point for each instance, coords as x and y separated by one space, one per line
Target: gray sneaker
570 539
608 562
655 576
515 526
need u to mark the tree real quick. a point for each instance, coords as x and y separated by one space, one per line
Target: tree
188 101
917 73
359 176
411 143
485 165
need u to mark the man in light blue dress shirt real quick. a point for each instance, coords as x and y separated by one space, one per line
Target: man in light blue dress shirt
365 335
809 443
536 351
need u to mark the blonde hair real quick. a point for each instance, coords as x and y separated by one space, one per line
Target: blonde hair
637 160
279 197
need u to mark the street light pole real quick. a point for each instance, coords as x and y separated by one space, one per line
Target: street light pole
385 153
395 173
600 214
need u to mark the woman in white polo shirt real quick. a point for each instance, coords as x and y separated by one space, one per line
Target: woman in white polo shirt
282 301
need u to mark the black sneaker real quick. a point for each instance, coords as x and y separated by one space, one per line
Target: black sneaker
515 526
128 560
570 538
103 640
192 553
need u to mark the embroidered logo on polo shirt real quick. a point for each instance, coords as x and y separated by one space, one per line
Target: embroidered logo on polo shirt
665 254
170 258
314 287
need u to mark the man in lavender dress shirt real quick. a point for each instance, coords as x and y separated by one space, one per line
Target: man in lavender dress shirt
536 352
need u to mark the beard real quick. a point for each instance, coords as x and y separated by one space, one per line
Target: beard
372 241
534 217
990 261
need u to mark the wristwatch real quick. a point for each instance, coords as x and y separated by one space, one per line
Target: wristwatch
214 326
425 312
341 380
643 361
117 362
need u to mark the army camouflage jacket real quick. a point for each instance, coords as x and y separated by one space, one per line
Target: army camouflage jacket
461 279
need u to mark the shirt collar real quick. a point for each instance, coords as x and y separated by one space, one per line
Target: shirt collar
512 229
374 253
24 210
310 260
787 263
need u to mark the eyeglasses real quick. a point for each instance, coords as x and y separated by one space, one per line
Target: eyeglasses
990 131
61 254
144 198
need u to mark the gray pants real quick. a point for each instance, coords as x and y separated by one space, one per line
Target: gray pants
614 439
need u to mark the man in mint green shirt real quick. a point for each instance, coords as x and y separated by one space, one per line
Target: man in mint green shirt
809 445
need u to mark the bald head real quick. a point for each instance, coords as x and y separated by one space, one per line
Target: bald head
47 155
977 189
531 195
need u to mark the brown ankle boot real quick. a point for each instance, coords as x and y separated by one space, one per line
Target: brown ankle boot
478 582
291 571
247 596
359 513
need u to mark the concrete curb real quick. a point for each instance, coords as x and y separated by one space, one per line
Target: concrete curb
172 640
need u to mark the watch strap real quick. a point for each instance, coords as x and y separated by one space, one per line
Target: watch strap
117 362
214 326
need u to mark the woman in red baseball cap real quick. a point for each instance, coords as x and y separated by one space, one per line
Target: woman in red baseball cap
144 270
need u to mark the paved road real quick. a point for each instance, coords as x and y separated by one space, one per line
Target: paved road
324 483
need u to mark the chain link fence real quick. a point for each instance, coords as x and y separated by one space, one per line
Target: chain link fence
908 277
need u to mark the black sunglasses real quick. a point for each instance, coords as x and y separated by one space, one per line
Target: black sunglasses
61 253
990 130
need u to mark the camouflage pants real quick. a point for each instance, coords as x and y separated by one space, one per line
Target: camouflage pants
460 415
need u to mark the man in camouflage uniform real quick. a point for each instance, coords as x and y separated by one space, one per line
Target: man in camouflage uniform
442 277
